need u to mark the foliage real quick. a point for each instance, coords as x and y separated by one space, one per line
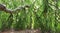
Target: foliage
43 14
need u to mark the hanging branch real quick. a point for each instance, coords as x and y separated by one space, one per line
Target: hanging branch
11 12
3 8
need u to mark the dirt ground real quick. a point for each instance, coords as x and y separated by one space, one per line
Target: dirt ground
23 31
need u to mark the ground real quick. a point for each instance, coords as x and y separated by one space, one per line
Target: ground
23 31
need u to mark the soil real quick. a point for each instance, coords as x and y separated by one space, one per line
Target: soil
22 31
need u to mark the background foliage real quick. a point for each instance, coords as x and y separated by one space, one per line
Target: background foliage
43 14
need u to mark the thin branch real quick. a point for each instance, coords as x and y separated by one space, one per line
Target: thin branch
3 8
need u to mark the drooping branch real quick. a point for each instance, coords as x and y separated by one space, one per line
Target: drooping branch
3 8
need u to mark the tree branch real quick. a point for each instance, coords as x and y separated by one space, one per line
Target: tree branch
3 8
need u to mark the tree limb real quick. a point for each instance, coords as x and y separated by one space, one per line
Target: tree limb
3 8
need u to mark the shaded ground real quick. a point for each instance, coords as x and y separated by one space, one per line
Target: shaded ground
22 31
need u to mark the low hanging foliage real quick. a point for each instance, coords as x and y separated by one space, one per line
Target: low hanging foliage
31 14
